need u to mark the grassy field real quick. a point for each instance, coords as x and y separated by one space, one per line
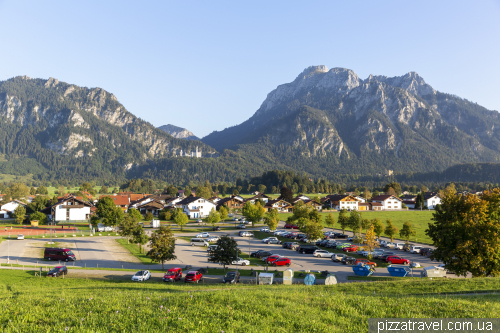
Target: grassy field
134 250
32 304
419 219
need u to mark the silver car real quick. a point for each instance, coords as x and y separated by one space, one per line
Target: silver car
322 254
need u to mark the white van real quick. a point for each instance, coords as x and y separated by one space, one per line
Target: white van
399 246
103 228
415 249
198 242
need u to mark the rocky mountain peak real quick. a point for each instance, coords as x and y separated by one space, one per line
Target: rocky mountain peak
412 82
178 132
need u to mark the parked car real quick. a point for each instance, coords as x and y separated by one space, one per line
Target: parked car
282 262
57 271
337 257
390 245
398 246
271 258
211 247
199 242
203 235
366 262
340 246
240 261
235 219
307 249
141 276
213 239
350 248
426 251
291 226
340 235
103 228
374 253
386 255
231 277
20 237
216 229
292 245
173 274
241 226
53 253
407 247
382 243
193 276
322 254
271 240
285 245
347 260
246 234
415 249
331 244
260 254
397 260
264 229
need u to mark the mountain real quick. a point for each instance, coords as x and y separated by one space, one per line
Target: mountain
58 130
178 132
330 122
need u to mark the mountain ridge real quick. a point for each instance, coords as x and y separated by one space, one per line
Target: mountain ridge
178 132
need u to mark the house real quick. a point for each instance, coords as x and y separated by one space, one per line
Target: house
152 206
196 207
389 202
409 203
313 203
408 197
256 193
134 196
431 200
162 197
232 202
376 206
360 198
300 197
363 206
70 208
281 205
215 200
8 209
261 196
173 201
121 201
340 201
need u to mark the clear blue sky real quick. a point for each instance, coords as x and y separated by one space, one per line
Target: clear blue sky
207 65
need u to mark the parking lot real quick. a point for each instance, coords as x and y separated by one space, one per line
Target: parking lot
104 252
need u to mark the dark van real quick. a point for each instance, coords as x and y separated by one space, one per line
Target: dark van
52 253
307 249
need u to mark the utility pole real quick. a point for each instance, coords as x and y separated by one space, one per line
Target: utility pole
8 250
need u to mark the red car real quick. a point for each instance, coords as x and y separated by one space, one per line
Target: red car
291 226
282 262
366 262
272 258
172 275
352 248
193 276
397 260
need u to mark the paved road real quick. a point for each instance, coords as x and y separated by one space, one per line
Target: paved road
101 251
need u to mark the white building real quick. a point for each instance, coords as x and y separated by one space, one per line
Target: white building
389 202
69 208
9 208
431 201
196 207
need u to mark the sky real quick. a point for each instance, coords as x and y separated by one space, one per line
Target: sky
208 65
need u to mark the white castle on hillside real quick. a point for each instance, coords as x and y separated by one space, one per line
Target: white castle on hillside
193 153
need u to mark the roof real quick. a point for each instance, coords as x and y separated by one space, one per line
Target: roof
377 204
135 197
270 203
408 197
119 200
384 197
364 204
152 204
188 200
334 197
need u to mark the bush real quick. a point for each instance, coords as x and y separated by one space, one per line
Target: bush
165 215
149 216
38 216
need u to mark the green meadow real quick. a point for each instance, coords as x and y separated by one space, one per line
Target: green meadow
34 304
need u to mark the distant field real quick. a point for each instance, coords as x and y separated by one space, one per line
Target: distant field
12 178
32 304
419 219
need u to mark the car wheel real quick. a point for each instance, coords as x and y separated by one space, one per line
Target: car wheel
197 281
389 262
192 244
66 260
303 252
243 264
49 258
274 265
287 265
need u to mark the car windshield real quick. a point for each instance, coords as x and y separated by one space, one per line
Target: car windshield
230 274
139 273
190 275
69 253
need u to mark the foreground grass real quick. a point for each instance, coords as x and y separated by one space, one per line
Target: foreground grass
32 304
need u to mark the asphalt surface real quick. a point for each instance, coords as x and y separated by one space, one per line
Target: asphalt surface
99 251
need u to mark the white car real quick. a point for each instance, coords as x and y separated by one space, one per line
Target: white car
103 228
20 236
213 239
415 249
141 276
264 229
398 246
322 254
242 262
203 235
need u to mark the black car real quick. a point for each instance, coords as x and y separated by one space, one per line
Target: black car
216 229
285 245
231 277
339 235
426 251
347 260
260 254
57 271
291 244
307 249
